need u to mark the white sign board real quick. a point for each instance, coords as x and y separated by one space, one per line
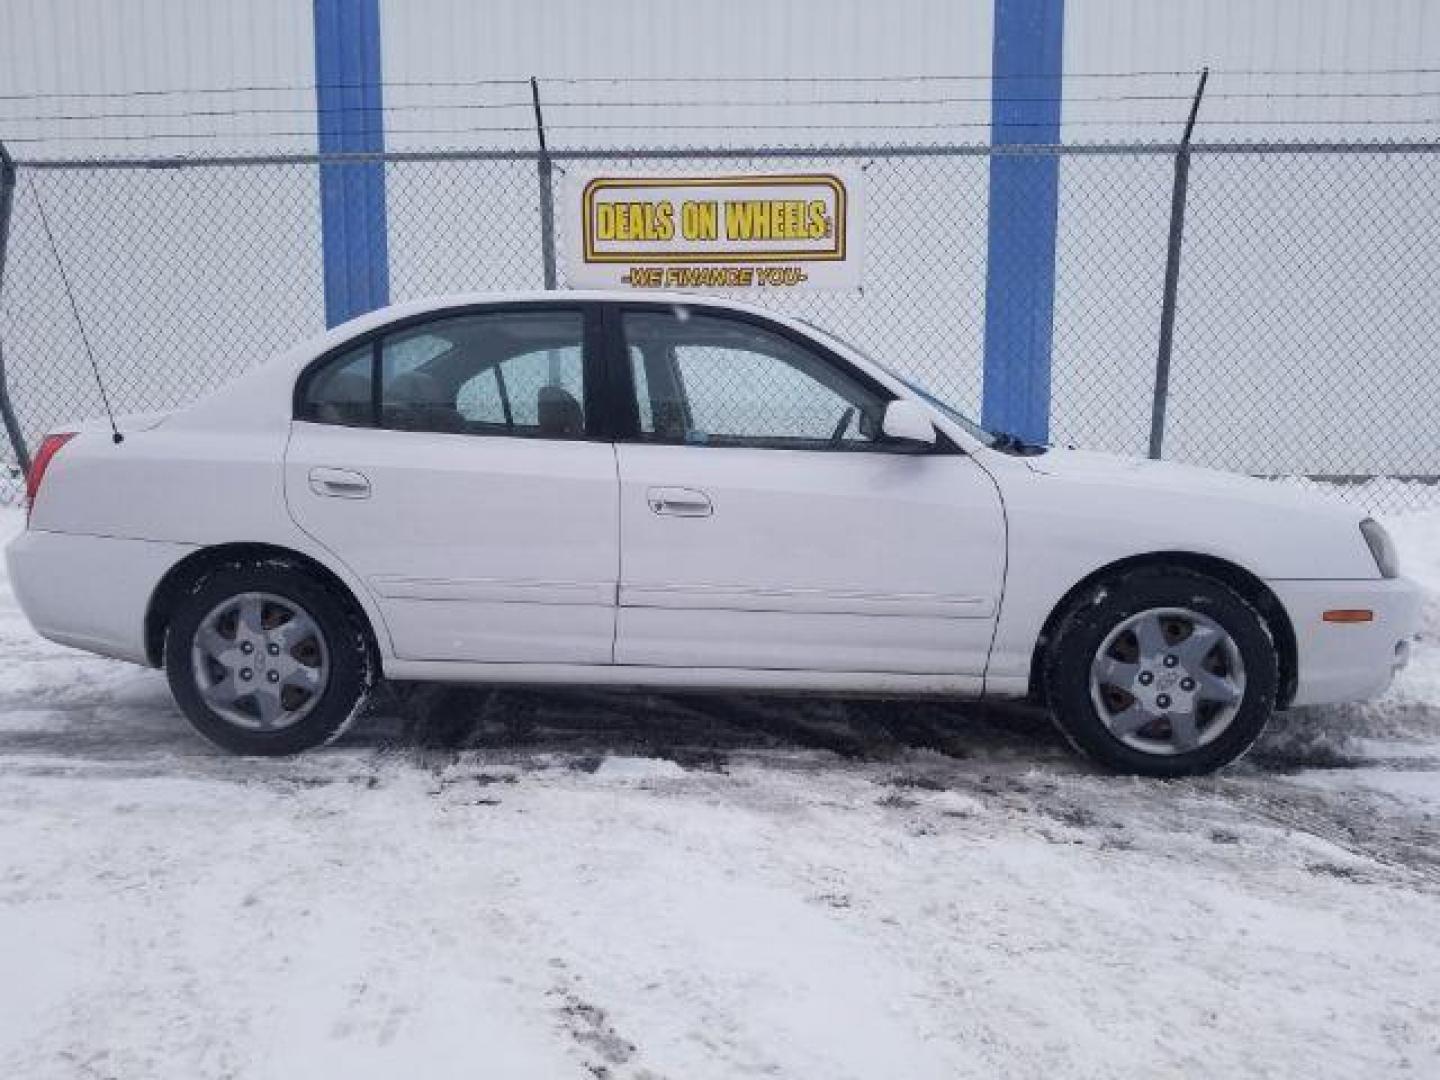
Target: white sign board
713 232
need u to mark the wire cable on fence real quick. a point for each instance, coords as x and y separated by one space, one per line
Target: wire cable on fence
712 103
259 88
739 126
519 81
1188 73
363 112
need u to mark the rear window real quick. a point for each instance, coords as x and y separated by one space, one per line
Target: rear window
342 391
518 372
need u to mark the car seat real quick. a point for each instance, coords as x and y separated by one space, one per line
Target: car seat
558 413
417 402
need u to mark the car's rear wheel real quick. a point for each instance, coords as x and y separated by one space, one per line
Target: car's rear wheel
1162 673
265 659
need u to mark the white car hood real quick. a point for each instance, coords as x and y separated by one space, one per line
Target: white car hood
1115 471
1107 508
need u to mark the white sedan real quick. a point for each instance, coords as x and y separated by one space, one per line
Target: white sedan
590 488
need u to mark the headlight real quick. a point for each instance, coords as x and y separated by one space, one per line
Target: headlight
1382 547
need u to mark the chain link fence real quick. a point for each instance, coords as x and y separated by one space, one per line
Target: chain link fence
1307 310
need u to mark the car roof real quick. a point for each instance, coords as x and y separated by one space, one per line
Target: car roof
425 305
381 317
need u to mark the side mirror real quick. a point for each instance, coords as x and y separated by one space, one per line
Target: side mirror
906 423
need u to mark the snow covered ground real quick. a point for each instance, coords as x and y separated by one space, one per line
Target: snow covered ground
630 887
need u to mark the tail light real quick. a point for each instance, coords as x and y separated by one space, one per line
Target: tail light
49 447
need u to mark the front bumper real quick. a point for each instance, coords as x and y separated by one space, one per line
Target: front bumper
1338 662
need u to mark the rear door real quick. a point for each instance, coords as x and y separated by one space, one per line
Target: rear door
765 526
453 464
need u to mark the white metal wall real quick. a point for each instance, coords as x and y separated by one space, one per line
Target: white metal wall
1255 48
650 38
687 69
217 76
173 66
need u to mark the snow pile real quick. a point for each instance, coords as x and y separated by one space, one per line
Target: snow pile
1379 495
1418 537
1418 688
637 770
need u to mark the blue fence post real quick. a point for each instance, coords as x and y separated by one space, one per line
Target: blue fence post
351 120
1024 205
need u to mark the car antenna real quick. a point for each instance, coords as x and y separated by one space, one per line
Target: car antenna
75 310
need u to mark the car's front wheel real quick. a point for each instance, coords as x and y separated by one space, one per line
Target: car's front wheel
1162 673
265 659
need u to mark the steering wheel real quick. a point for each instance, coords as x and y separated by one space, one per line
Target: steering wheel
839 432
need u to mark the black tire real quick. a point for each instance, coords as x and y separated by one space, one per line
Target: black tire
1086 625
350 663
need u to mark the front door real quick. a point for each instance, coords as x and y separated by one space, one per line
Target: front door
449 463
765 525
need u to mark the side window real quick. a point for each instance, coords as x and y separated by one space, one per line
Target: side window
531 378
410 351
642 388
480 400
341 392
500 373
709 380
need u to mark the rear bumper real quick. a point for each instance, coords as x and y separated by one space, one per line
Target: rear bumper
90 592
1348 661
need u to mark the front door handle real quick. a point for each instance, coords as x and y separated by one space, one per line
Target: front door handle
679 502
339 483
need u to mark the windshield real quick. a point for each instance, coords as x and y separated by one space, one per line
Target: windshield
930 398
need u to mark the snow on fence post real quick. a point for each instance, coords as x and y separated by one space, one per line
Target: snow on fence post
7 411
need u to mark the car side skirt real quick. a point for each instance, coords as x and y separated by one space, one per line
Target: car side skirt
688 678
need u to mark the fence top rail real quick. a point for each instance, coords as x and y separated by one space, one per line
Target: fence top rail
687 153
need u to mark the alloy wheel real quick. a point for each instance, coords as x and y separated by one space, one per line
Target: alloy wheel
1167 681
260 661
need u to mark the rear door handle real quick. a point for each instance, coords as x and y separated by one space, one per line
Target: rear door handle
339 483
679 502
